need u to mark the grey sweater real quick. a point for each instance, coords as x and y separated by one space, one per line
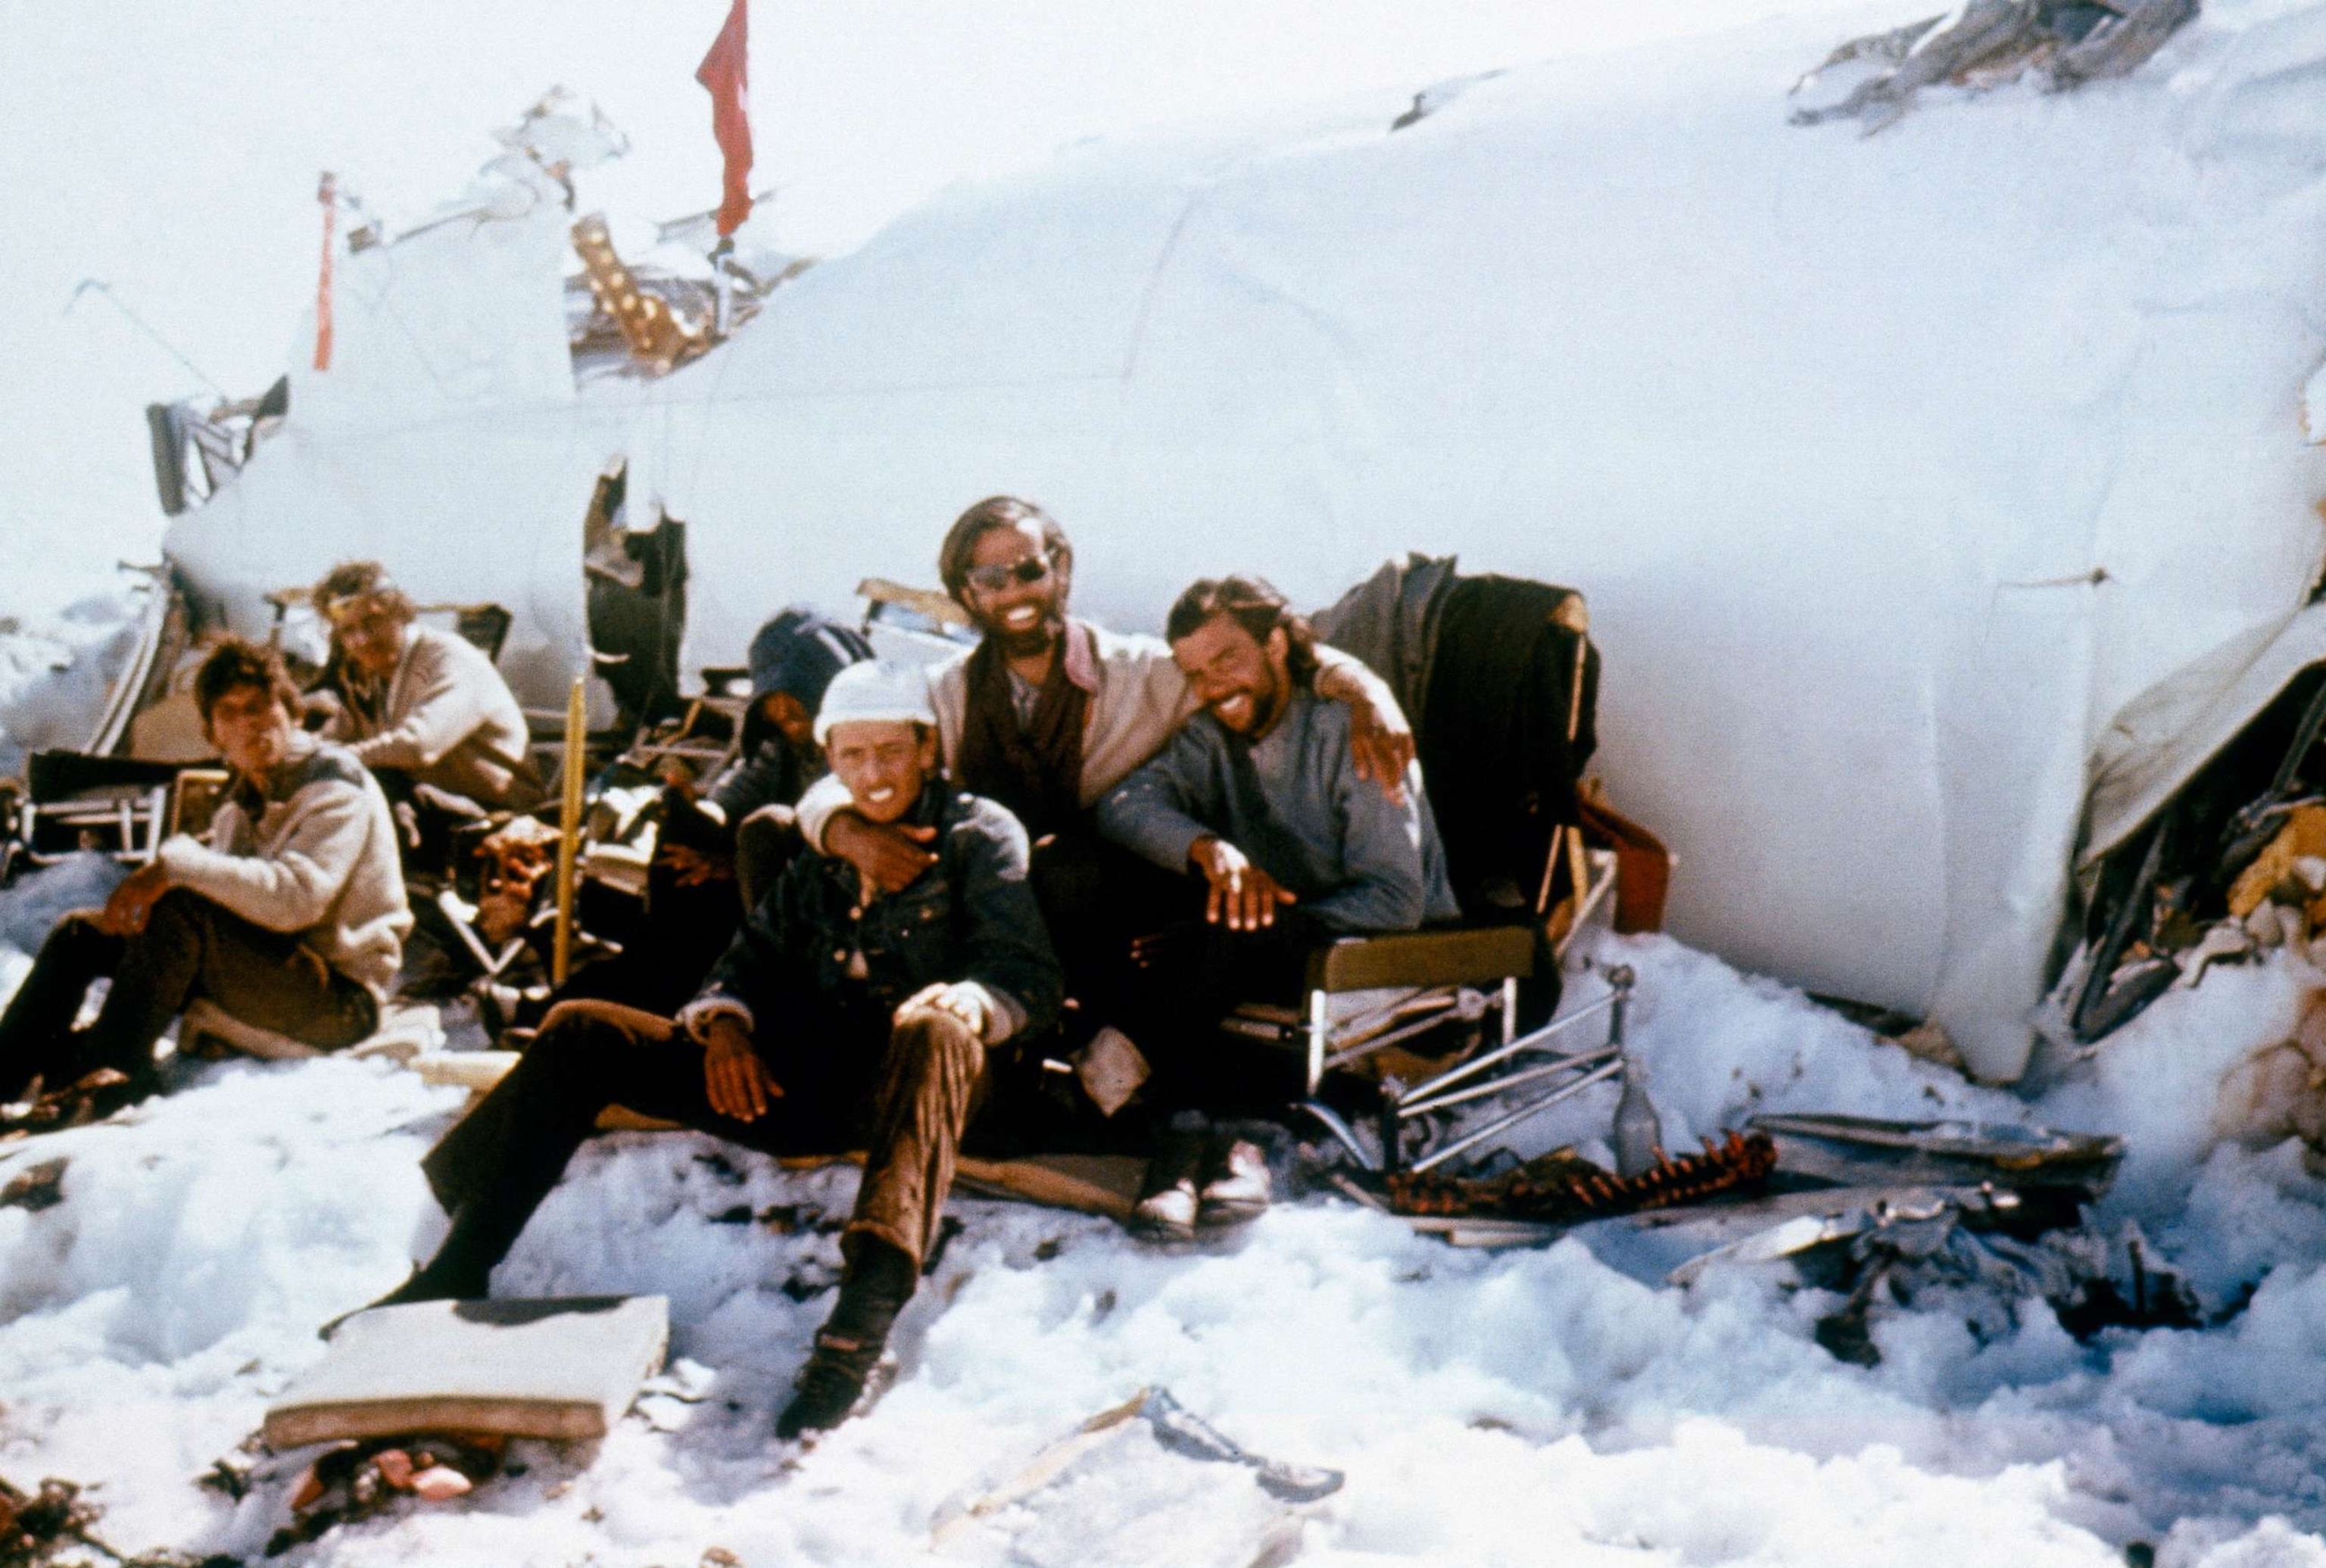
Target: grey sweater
1356 862
314 853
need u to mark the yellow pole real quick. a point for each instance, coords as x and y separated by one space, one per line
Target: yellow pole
568 834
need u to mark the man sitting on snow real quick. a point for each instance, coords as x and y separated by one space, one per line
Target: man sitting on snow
291 917
841 1018
1257 795
422 708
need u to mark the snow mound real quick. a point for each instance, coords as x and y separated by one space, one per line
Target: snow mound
1487 1406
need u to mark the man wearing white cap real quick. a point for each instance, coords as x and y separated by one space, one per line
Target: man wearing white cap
841 1018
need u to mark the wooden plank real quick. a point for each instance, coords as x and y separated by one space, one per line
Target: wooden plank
1105 1184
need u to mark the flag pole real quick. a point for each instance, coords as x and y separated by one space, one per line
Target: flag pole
328 193
569 835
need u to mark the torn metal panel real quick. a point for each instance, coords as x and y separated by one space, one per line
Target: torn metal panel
1858 1150
2160 741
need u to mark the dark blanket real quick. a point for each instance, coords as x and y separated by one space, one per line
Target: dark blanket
1494 735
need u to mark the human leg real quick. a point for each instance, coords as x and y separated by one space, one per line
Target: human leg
272 980
493 1169
1096 899
932 1076
1195 975
36 1038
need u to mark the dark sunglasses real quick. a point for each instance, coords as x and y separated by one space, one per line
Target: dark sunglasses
994 579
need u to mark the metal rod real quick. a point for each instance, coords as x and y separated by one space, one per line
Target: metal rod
1319 1034
100 286
1550 860
1559 834
1382 1016
1403 1032
1494 1086
1584 912
1509 1008
1477 1064
1493 1128
569 835
1339 1129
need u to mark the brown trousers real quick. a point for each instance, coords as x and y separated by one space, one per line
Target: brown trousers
191 947
904 1100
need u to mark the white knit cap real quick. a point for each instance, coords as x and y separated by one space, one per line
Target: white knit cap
875 691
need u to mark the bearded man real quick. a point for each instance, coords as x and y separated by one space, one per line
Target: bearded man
1257 797
1048 713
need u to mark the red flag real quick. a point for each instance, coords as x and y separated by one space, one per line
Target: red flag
726 72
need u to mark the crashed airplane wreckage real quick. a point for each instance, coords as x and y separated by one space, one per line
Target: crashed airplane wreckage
1956 563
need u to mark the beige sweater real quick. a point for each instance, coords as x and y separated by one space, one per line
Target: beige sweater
315 853
449 720
1139 699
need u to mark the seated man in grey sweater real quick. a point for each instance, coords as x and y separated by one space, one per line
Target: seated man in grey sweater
291 915
1257 795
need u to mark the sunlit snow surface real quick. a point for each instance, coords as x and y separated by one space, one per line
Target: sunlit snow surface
1515 1408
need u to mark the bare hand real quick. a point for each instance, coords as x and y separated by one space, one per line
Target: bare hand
126 913
966 1003
1381 742
736 1080
890 855
692 867
1162 947
1242 896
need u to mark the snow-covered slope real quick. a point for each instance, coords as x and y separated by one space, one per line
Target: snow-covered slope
1535 1406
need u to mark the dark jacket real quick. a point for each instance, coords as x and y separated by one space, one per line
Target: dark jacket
971 916
771 773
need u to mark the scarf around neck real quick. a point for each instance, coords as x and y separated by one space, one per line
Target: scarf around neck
1037 770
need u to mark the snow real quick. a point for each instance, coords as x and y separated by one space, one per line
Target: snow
1524 1407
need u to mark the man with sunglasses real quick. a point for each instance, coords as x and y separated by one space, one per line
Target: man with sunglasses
1048 713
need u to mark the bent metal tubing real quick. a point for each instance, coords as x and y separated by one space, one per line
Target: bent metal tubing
1495 1129
1588 1059
1340 1129
1383 1041
1523 1044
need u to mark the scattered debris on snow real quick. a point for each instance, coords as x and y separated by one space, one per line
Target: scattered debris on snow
1986 43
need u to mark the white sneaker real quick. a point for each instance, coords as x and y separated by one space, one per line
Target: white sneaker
1168 1215
1240 1187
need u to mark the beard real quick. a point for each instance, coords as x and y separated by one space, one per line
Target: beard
1267 699
1034 641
